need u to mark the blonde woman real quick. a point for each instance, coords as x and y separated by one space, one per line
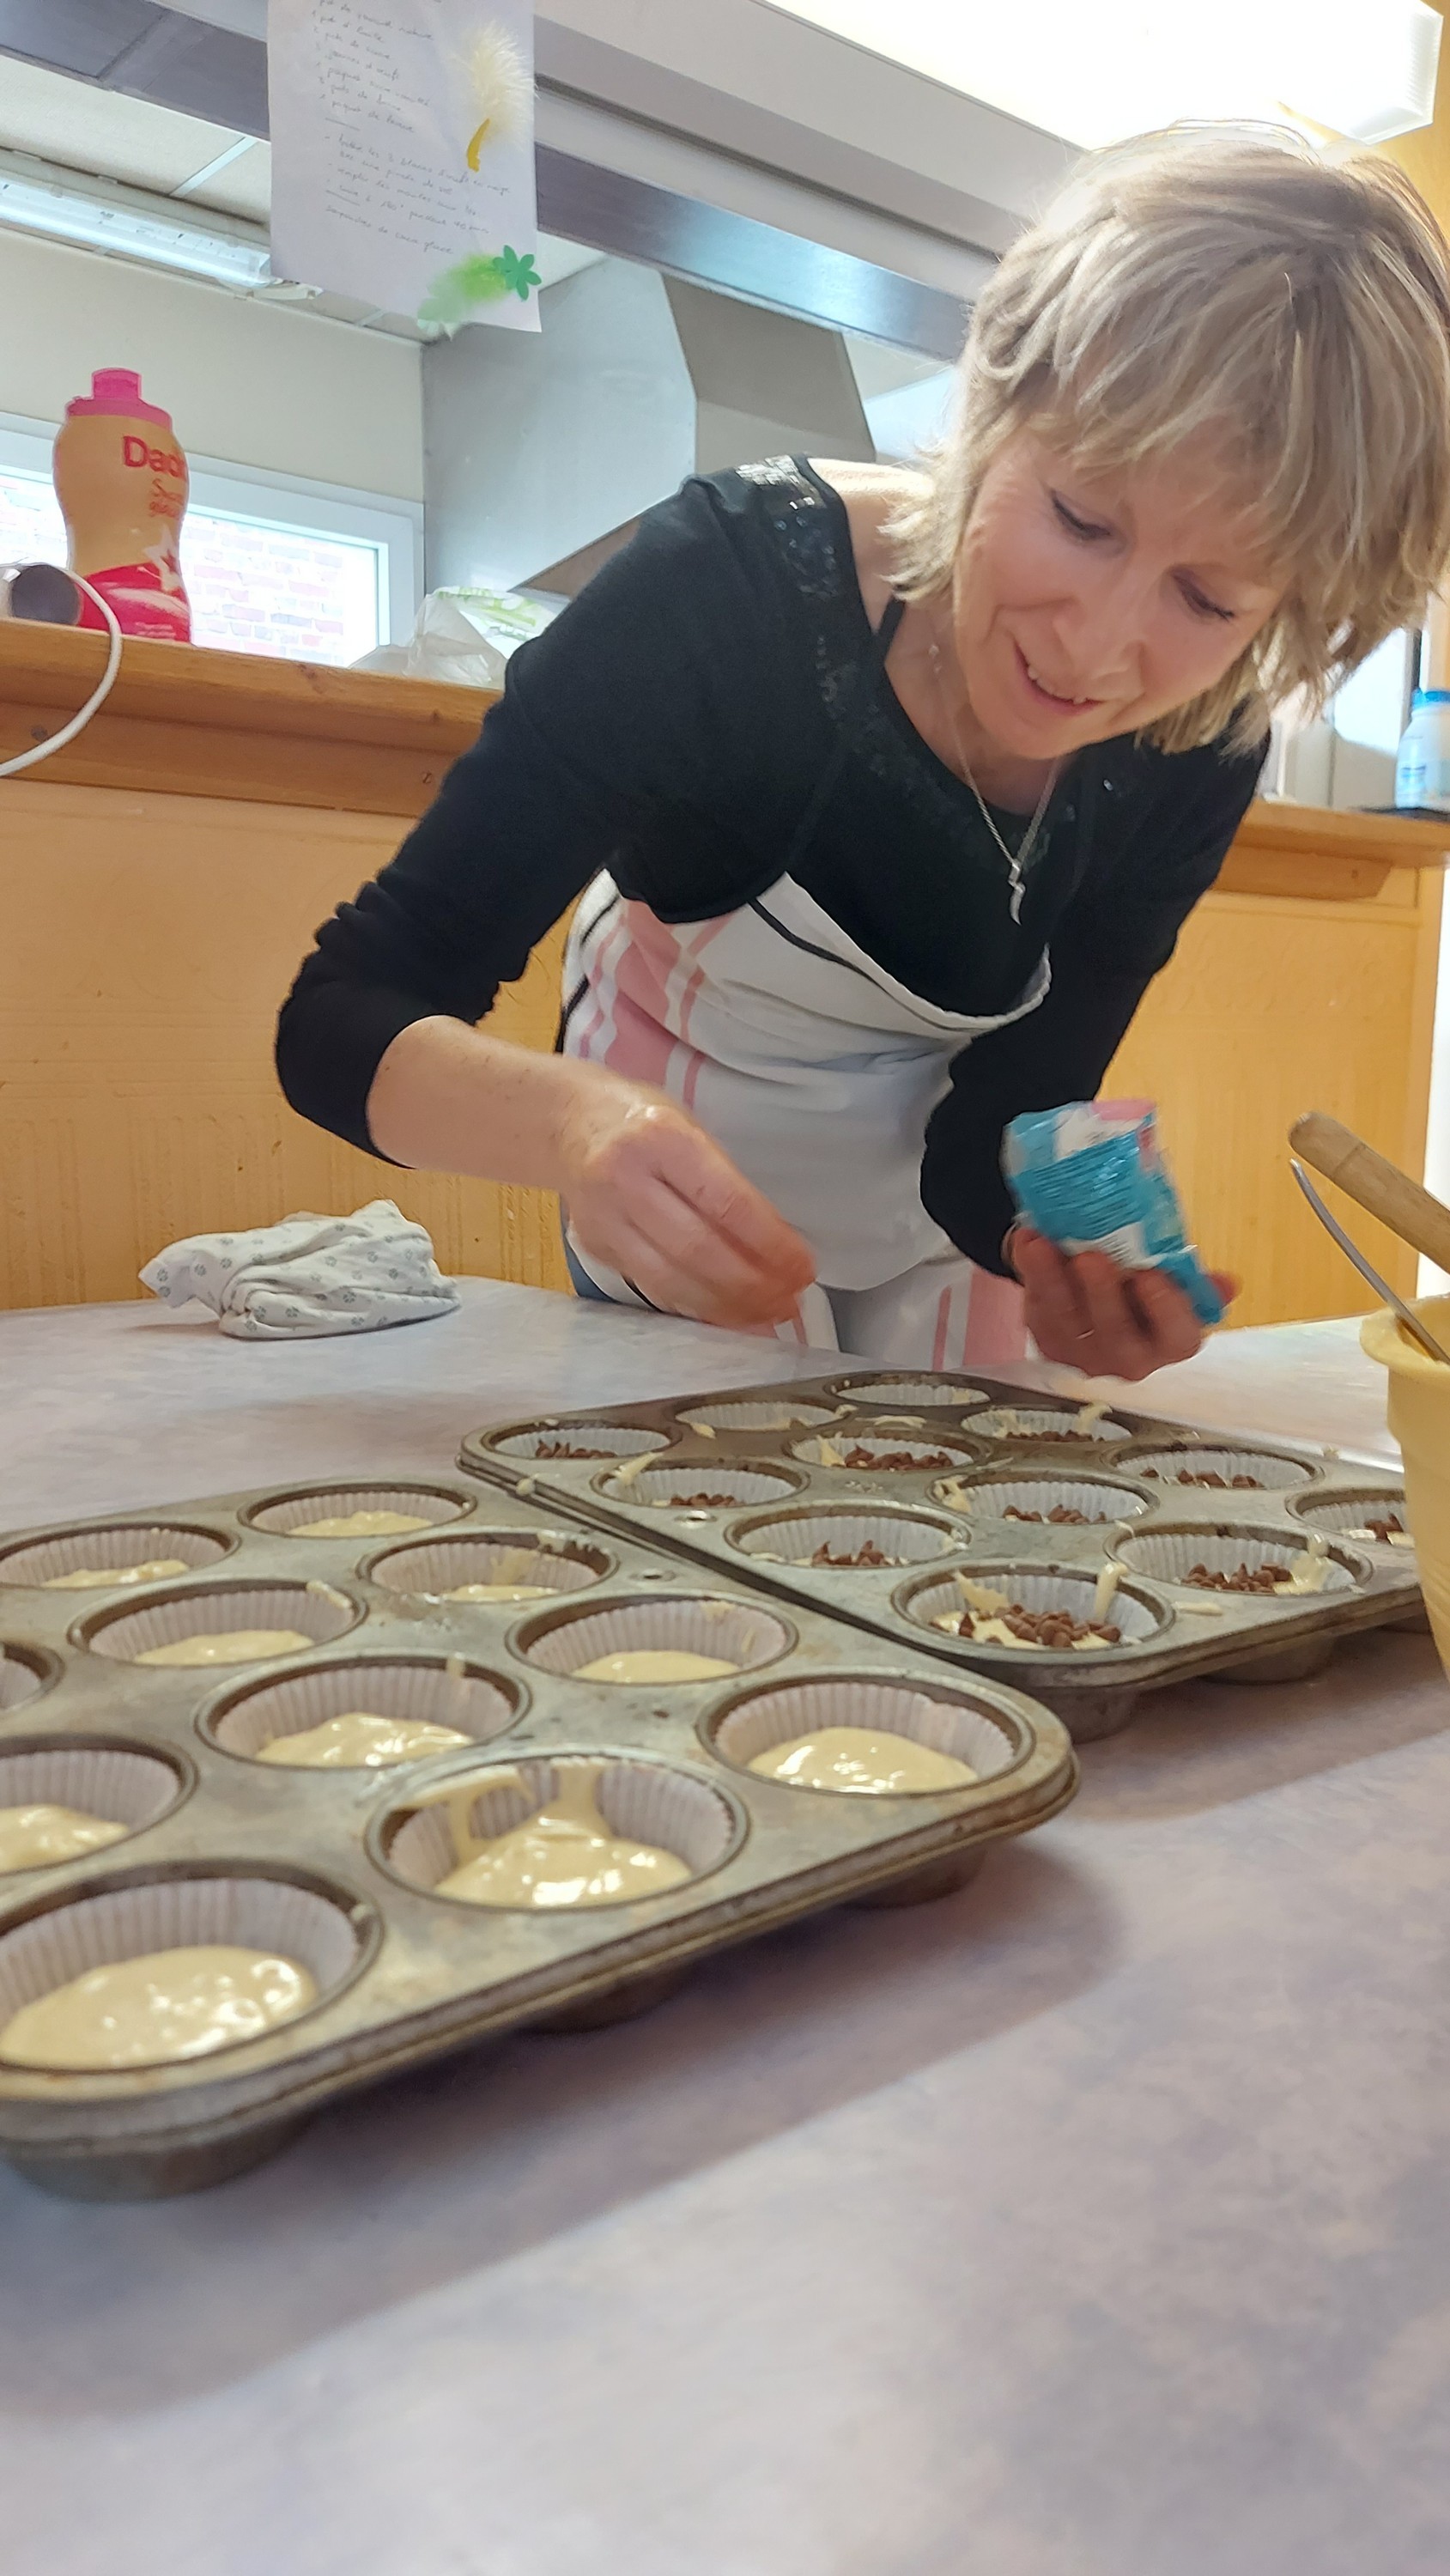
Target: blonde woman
885 795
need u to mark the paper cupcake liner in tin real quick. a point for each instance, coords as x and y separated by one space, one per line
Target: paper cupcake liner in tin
1046 1422
757 1415
1168 1555
888 1394
988 1741
289 1514
795 1538
703 1487
117 1783
329 1936
872 1448
733 1631
317 1611
112 1552
476 1704
1272 1472
1037 1587
995 1498
1350 1515
23 1676
643 1802
577 1440
432 1570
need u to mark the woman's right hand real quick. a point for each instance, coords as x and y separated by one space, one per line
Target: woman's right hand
654 1197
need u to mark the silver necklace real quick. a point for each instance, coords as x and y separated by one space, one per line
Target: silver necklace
1016 859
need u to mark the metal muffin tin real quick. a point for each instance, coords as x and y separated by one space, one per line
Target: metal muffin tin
1127 1464
335 1862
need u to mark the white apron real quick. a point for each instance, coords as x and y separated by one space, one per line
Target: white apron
817 1073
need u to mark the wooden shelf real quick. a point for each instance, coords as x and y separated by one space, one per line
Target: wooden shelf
186 721
1308 851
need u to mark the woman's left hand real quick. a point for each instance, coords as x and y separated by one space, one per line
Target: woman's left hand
1083 1310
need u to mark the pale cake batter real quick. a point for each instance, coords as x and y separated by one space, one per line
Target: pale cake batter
32 1837
156 2009
381 1524
858 1757
90 1578
654 1664
226 1646
357 1740
563 1854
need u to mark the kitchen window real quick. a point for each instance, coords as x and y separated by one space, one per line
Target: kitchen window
272 564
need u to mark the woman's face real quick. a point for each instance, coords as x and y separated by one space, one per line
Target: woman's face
1086 606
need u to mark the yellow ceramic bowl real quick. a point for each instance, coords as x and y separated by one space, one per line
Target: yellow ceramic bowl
1419 1417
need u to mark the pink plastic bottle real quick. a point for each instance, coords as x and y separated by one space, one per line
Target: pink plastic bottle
121 481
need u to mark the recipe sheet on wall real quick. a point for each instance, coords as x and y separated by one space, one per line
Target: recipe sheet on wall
403 155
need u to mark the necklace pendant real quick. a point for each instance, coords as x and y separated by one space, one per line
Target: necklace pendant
1019 889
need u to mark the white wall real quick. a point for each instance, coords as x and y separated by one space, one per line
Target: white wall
252 383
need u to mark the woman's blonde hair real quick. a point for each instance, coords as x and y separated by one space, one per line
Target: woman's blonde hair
1289 313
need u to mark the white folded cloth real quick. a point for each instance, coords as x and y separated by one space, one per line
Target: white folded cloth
308 1275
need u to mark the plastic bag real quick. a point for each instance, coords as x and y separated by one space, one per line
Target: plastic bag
444 645
1091 1177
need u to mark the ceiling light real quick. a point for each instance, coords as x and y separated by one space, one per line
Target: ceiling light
102 215
1093 75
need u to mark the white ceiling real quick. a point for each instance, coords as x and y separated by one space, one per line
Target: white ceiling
110 136
103 134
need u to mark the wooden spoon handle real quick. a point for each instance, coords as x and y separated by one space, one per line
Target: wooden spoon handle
1378 1185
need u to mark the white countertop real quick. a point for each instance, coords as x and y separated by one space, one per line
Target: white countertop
1089 2223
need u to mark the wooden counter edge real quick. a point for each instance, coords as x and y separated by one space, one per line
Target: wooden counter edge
187 721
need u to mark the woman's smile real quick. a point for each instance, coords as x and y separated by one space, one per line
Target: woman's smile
1088 605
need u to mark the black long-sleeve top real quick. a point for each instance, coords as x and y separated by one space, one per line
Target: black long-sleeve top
674 726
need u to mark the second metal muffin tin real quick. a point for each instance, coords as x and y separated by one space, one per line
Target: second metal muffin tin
336 1867
753 1459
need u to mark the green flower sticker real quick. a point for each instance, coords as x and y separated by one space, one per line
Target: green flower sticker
454 296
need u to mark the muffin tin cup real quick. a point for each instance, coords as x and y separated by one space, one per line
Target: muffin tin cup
1167 1554
431 1570
793 1537
24 1674
577 1440
641 1801
892 1390
1041 1424
119 1783
735 1632
115 1548
1093 1689
872 1448
756 1414
990 1498
1343 1515
287 1517
1275 1472
729 1486
883 1704
1039 1587
75 1933
478 1704
318 1611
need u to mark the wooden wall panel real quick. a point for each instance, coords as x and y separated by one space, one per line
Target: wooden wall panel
1271 1007
145 944
146 940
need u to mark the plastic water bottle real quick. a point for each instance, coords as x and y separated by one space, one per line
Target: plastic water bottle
1422 768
